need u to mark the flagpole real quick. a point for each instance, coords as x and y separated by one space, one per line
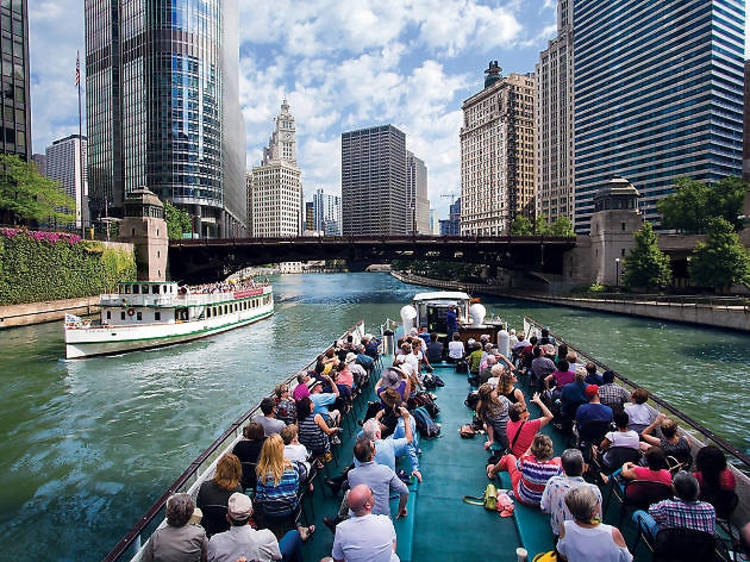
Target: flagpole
80 139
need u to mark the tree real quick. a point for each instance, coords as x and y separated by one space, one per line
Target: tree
178 221
721 261
561 227
541 226
521 226
646 266
694 203
26 195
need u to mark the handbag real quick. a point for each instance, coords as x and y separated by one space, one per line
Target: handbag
550 556
466 431
489 500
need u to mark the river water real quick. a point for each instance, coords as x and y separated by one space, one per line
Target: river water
89 445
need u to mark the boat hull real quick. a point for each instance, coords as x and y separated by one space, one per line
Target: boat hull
119 339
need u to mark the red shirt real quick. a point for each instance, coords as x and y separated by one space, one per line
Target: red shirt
645 473
727 480
529 430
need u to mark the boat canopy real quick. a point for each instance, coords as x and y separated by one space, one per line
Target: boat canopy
441 295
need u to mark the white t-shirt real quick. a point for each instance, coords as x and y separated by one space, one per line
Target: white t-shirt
296 452
583 545
639 414
456 349
368 538
243 541
411 361
623 439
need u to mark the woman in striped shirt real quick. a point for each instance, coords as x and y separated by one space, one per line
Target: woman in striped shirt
278 488
529 473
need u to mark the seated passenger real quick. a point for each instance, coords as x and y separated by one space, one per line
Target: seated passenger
278 488
542 365
248 452
359 373
493 411
584 538
456 350
242 541
391 448
553 497
594 412
393 380
572 358
623 437
592 377
365 536
367 362
655 469
573 395
434 350
215 493
294 451
475 359
314 432
529 474
379 478
612 394
639 412
521 430
712 473
301 391
506 387
561 376
178 540
344 376
485 370
684 511
322 400
671 442
285 410
270 424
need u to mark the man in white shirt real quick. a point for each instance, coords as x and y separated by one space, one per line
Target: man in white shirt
364 537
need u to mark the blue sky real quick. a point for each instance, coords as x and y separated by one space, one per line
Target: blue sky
342 65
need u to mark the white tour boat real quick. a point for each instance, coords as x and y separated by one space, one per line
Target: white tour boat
143 315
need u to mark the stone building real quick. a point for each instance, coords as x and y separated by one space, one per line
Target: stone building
497 154
416 195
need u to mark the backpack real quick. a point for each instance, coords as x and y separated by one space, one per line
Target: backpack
462 367
425 424
424 400
372 409
472 400
429 382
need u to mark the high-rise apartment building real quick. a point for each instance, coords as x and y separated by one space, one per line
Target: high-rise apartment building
162 107
274 196
497 154
373 182
309 216
327 213
553 117
63 164
16 108
40 162
418 218
658 94
452 226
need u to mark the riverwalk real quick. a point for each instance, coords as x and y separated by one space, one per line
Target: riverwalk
729 313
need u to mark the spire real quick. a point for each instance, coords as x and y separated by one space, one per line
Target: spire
284 106
493 74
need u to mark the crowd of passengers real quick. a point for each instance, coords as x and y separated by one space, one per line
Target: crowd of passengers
227 287
617 435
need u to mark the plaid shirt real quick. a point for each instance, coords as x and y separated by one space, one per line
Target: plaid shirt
613 395
698 516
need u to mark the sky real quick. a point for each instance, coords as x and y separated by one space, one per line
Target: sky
342 64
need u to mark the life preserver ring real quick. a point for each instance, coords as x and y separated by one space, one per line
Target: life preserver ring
131 312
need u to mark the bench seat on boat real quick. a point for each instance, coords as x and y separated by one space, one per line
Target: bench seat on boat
405 525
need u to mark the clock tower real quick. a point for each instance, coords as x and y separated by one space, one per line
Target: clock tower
283 142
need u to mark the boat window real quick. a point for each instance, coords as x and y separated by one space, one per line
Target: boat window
109 315
122 316
215 313
127 289
157 316
155 289
208 313
226 309
136 289
139 316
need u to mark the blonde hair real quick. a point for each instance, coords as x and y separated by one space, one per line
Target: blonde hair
272 463
228 472
505 385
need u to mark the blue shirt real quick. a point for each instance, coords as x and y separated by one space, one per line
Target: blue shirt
366 361
593 413
596 379
572 394
321 401
382 481
387 450
451 320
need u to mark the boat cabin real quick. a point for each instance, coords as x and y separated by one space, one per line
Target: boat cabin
432 308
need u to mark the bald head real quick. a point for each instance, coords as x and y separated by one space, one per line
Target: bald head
361 500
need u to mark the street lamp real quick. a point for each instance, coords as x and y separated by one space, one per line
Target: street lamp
617 272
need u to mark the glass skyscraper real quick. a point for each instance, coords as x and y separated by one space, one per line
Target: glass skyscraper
162 107
16 108
658 94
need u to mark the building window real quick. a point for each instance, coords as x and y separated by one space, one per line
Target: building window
623 227
109 315
122 315
157 316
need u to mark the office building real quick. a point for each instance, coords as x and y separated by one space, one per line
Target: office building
553 117
16 109
327 213
746 129
63 164
274 196
418 204
40 162
497 154
162 108
658 94
452 225
309 216
373 182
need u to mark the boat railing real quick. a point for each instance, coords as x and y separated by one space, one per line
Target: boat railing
201 469
388 325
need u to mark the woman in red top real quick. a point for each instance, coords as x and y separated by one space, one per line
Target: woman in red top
656 469
713 474
521 430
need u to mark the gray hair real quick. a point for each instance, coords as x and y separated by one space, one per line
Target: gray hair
686 486
582 503
488 347
180 509
581 373
371 428
572 462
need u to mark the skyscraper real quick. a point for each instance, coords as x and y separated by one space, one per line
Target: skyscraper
16 111
418 219
162 107
327 213
309 216
553 119
275 191
63 164
373 181
497 154
452 226
658 94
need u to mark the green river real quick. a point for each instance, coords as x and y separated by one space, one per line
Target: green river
89 444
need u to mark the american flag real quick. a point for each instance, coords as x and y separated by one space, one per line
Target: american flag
78 68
